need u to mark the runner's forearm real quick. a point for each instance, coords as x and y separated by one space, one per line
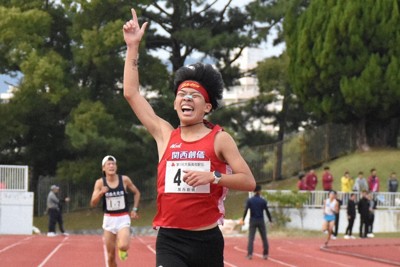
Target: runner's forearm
131 74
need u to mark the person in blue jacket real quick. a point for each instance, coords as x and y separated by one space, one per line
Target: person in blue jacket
257 205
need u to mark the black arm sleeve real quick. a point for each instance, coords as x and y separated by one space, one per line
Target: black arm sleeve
268 213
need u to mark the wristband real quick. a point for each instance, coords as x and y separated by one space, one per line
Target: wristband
135 209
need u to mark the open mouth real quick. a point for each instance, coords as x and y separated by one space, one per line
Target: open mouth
187 109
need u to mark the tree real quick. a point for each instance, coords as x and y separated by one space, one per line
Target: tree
275 87
199 26
70 56
68 107
344 65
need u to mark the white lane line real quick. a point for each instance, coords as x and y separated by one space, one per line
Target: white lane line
269 258
105 252
229 264
313 257
52 253
15 244
148 246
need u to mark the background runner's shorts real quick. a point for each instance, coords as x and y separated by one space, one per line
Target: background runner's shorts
115 223
329 218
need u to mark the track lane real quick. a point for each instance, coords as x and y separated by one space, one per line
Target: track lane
88 251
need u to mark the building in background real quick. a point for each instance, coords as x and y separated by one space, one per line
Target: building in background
248 87
5 97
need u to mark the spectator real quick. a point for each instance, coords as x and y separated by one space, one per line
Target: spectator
351 216
373 181
327 179
257 205
311 180
301 184
360 183
371 216
337 217
363 210
311 184
54 210
393 183
347 185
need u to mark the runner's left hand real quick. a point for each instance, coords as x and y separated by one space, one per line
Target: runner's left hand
196 178
134 215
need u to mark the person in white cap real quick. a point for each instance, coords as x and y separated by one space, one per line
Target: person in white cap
54 204
112 189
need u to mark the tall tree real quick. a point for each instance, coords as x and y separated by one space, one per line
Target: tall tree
70 54
200 26
345 63
275 87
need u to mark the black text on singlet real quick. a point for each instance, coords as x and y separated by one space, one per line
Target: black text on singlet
115 200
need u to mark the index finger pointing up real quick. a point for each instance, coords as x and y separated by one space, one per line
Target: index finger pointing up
134 16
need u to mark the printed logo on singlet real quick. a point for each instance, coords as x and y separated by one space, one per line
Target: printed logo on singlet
197 154
176 145
115 193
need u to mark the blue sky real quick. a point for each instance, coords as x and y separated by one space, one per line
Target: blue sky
3 82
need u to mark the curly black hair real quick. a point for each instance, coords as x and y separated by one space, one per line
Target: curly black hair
205 74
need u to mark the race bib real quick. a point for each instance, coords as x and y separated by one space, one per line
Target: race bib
115 203
174 176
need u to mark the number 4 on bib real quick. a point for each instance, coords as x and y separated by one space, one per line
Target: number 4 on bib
177 178
174 174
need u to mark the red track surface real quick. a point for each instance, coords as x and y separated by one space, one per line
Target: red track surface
88 251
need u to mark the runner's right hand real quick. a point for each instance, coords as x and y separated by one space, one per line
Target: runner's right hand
133 33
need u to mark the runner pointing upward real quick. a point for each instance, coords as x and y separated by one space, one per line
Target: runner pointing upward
198 161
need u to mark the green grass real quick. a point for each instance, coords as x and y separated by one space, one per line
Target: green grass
385 161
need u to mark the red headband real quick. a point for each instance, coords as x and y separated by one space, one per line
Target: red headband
197 86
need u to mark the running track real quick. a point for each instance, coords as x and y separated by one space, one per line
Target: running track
88 251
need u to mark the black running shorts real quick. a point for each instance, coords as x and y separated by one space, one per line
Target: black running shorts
183 248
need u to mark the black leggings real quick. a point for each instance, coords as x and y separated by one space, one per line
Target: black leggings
182 248
371 219
55 216
349 230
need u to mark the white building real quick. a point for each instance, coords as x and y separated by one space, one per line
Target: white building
248 87
5 97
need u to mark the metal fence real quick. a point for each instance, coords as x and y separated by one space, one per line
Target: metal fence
300 151
14 178
316 199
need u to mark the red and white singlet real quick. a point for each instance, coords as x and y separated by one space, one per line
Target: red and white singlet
178 204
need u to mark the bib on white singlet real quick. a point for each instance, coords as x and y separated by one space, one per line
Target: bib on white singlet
115 203
174 176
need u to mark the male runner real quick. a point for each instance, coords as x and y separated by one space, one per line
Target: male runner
198 161
112 190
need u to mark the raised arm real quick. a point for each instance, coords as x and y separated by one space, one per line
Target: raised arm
157 127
